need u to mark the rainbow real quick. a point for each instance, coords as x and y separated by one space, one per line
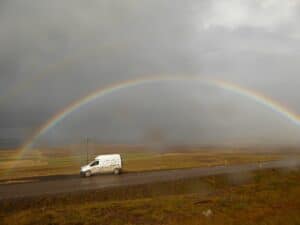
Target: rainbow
104 91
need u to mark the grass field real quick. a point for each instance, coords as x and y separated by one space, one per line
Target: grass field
62 161
262 197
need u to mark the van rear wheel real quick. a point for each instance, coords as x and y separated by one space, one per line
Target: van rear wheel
116 171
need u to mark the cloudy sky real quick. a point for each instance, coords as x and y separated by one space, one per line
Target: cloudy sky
54 52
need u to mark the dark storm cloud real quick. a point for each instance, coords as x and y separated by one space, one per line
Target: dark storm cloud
54 52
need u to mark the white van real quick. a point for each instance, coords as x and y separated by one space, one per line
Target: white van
103 164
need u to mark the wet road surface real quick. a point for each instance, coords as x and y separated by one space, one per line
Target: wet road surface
65 184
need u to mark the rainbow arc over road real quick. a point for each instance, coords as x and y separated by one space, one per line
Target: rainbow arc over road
253 95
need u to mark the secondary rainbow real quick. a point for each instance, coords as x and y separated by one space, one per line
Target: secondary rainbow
104 91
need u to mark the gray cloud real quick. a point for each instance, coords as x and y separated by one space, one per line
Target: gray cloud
55 52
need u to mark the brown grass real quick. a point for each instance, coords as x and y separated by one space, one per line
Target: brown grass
267 197
62 161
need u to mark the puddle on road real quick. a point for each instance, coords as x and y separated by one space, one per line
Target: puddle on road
17 181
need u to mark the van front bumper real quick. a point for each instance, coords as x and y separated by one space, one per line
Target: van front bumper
82 173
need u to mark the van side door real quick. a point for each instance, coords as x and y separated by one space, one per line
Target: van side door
101 166
104 165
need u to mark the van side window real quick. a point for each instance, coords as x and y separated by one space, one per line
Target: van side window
95 163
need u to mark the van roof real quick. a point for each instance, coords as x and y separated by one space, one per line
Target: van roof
108 156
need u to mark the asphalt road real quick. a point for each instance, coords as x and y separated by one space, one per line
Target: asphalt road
65 184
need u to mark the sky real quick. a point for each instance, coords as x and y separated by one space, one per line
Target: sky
55 52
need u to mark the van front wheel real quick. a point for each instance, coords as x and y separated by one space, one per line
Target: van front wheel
88 173
116 171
